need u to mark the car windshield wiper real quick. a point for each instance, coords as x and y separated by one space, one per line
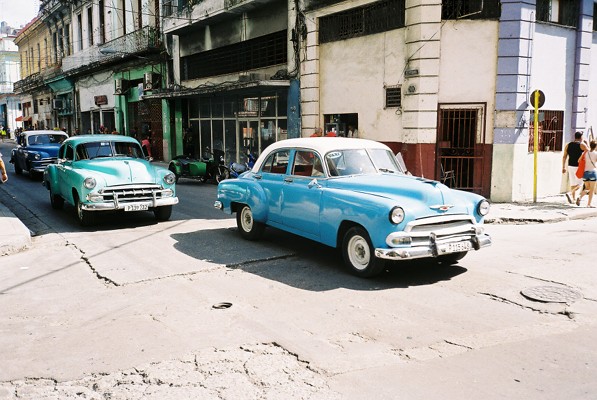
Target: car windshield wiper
391 171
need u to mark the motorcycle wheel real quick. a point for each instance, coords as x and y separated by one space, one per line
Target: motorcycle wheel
223 173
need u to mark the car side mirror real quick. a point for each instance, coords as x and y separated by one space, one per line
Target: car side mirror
314 183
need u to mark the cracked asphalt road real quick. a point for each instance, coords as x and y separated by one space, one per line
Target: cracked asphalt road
124 311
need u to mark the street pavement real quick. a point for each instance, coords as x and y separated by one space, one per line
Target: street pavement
15 237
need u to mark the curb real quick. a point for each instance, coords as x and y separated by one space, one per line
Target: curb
14 235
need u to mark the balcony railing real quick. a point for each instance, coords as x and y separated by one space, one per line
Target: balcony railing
137 42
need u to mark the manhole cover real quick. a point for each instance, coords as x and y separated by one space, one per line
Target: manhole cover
552 294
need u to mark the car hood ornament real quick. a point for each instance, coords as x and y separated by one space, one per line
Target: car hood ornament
441 207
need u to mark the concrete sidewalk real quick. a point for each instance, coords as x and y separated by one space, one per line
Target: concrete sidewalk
15 236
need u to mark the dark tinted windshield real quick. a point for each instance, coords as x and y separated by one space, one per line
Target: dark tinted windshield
93 150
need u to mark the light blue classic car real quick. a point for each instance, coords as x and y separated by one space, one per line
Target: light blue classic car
36 150
97 173
351 194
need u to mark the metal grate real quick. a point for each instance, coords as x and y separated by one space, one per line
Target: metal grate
471 9
250 54
393 96
550 130
460 148
361 21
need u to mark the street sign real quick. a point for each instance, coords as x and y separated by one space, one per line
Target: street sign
541 99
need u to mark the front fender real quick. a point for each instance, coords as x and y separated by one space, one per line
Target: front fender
51 177
357 208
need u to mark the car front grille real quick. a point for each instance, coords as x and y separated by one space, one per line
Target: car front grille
443 228
131 193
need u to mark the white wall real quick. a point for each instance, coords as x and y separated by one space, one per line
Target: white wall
96 85
352 78
468 66
592 98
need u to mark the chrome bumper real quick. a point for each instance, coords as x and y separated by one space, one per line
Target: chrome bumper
168 201
434 249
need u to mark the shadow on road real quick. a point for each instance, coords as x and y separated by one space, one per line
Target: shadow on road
301 263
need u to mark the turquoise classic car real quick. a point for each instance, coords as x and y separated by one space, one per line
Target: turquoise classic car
351 194
97 173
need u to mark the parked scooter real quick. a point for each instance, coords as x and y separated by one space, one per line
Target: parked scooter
237 168
210 167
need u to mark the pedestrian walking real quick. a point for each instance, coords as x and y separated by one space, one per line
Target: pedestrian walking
572 153
590 175
318 132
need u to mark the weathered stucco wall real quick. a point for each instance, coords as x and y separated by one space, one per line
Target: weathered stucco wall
353 78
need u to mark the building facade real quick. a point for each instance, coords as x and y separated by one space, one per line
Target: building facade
448 84
232 81
9 74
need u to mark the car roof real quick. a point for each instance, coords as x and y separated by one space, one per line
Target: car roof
99 138
326 144
44 132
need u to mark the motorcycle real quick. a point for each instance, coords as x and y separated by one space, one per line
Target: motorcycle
210 167
236 169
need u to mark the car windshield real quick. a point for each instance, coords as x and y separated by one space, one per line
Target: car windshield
46 139
91 150
360 161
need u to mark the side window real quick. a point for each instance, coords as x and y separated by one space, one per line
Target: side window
307 163
276 163
61 151
69 153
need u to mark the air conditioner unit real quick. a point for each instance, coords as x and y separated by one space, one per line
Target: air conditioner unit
57 104
118 88
150 81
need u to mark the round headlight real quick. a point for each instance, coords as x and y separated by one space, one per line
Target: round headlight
483 207
36 156
89 183
397 215
170 178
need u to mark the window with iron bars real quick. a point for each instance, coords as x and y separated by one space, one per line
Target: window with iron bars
378 17
471 9
595 16
393 96
550 130
250 54
561 12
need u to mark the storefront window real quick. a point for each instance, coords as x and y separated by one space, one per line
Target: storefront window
204 108
217 126
205 135
194 108
268 105
230 140
268 132
217 108
230 108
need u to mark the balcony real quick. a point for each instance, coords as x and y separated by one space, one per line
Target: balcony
138 42
179 14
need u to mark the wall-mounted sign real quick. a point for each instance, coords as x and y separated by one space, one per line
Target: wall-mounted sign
100 100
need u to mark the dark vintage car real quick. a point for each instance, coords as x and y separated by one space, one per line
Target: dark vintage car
36 150
96 173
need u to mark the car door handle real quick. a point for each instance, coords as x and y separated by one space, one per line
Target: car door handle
289 180
257 176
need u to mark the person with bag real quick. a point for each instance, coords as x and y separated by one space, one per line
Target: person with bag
572 152
589 177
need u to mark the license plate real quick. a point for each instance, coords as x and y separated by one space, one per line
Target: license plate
136 207
455 247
